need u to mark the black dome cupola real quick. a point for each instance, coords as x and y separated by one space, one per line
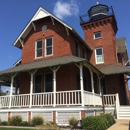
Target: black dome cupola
98 11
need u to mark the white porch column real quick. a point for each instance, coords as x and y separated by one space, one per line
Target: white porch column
100 92
81 82
54 84
11 88
31 86
92 85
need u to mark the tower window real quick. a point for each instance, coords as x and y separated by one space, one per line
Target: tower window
99 55
97 35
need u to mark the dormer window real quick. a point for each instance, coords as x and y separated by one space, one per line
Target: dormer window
97 35
38 49
44 27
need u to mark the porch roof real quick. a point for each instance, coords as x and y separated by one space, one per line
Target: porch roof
52 62
113 69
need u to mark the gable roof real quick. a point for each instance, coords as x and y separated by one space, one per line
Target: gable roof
42 13
113 69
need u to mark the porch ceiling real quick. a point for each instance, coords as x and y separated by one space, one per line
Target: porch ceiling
113 69
48 63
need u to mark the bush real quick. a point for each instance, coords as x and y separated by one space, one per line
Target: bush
37 120
72 120
15 120
101 122
109 118
4 123
25 123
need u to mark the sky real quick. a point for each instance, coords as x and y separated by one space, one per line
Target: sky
15 14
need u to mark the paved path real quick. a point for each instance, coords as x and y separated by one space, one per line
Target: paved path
120 125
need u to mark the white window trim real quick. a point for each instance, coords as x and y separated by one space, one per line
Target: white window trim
36 49
96 33
45 47
96 56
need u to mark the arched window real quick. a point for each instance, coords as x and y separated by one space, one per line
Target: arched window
44 27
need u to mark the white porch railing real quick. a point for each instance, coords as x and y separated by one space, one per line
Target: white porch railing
42 99
63 98
92 99
68 97
109 100
21 100
4 101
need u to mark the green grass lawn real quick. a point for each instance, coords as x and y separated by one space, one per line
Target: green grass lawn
3 128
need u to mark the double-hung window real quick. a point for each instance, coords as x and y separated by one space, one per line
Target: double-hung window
38 84
38 49
77 48
83 53
49 46
99 55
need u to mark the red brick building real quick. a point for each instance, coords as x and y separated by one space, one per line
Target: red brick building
60 74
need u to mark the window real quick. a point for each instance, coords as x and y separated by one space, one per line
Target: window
48 82
48 46
99 55
103 85
39 48
44 27
38 84
97 35
77 48
78 82
83 53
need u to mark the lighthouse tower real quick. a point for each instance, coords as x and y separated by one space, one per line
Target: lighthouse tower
100 27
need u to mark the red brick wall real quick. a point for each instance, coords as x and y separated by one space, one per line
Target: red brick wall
66 78
115 84
107 41
62 43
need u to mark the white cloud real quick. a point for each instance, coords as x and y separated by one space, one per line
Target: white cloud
64 9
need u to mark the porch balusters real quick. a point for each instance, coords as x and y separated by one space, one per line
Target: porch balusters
31 86
11 88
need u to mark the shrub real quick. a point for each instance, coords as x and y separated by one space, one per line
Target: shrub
101 122
94 123
109 118
72 120
4 123
25 123
15 120
37 120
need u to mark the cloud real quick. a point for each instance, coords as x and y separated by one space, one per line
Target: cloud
64 9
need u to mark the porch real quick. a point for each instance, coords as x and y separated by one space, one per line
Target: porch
51 99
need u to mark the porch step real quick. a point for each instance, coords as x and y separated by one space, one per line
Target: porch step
124 112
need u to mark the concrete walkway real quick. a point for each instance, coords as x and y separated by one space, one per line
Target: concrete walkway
120 125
